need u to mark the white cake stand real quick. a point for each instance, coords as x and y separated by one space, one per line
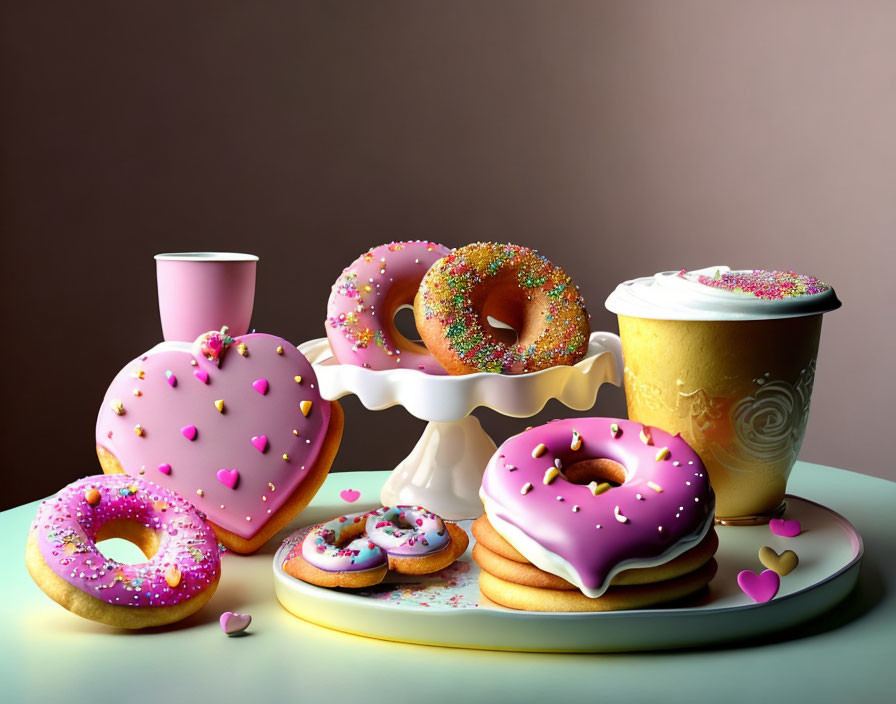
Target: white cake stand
444 470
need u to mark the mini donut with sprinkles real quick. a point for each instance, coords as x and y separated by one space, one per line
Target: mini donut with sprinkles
235 424
594 514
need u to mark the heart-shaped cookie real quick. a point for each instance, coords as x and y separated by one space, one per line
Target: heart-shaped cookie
243 434
759 587
783 564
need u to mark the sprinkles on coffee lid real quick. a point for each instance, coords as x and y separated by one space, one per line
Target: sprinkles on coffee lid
760 283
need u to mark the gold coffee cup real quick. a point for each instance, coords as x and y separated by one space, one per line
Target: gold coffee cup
731 372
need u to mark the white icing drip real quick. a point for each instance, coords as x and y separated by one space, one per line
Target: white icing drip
551 562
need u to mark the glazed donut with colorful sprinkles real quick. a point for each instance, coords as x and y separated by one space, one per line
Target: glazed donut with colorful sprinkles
508 283
359 549
182 565
363 303
622 513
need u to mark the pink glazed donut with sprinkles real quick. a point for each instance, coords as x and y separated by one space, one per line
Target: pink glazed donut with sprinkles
182 565
550 493
363 303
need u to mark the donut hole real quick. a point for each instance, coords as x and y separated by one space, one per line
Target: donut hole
127 541
601 469
405 324
502 311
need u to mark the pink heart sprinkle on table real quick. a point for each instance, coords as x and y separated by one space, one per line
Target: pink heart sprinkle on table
261 386
202 375
260 442
759 587
232 623
165 468
228 477
350 495
189 432
786 529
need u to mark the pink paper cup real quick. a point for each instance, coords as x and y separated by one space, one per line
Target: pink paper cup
202 291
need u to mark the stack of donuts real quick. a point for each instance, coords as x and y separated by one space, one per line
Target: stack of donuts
594 514
458 296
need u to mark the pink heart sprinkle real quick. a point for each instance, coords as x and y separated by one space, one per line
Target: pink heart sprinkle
350 495
260 442
786 529
228 477
202 375
189 432
165 468
759 587
232 623
261 386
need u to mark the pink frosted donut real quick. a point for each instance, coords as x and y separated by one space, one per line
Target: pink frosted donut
363 302
589 531
183 561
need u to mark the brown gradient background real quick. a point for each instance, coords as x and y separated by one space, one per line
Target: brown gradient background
619 138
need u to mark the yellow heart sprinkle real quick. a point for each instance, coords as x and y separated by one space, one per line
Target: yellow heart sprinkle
219 404
306 408
138 429
279 349
298 379
117 406
242 349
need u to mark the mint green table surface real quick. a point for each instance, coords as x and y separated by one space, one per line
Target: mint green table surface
50 655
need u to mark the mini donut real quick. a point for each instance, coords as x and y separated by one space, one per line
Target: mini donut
359 549
237 424
509 283
183 560
363 303
549 493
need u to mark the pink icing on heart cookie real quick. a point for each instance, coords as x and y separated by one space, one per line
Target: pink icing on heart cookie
232 435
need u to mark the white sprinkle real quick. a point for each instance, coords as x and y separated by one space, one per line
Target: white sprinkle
619 516
659 529
688 483
598 526
677 515
560 498
557 463
676 463
576 509
681 508
696 499
690 461
527 487
510 467
576 443
639 497
656 487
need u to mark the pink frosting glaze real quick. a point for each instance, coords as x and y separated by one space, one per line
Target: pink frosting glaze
664 507
66 527
363 302
215 456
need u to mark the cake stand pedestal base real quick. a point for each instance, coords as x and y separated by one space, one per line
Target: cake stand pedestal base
444 470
